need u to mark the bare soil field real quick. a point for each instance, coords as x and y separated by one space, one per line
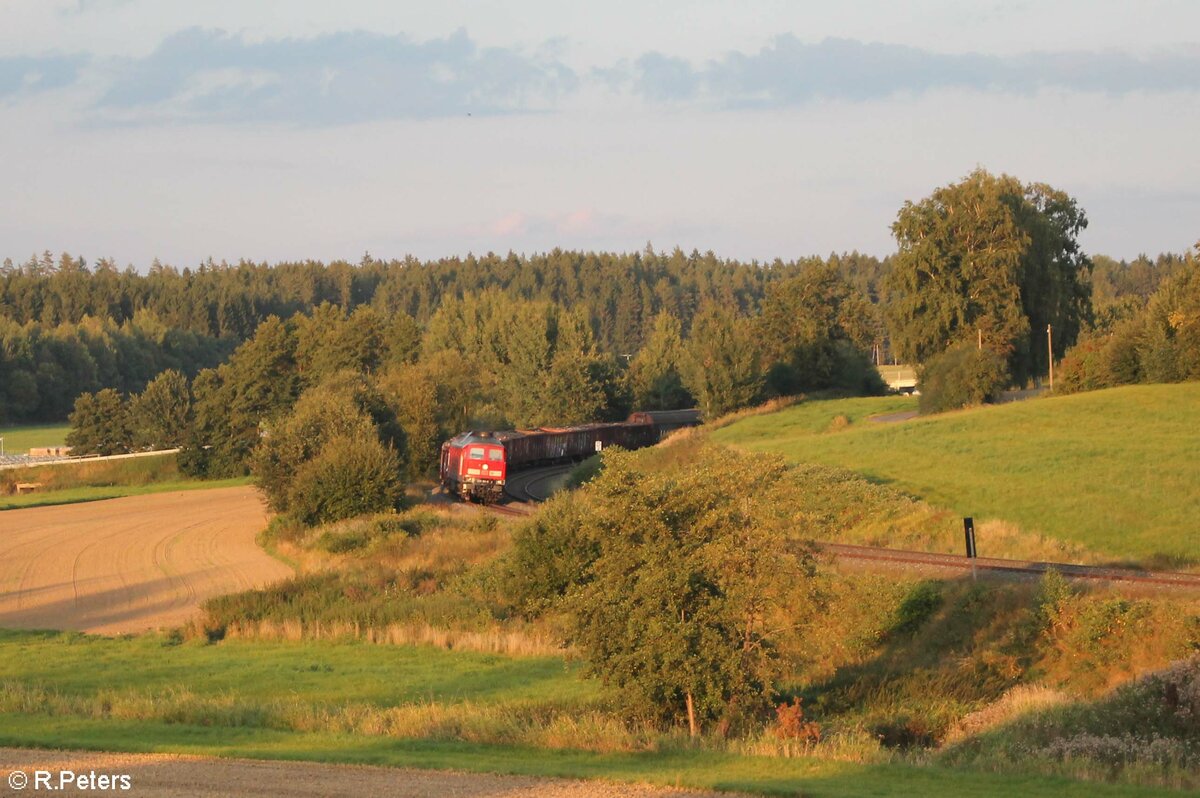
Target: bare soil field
130 564
170 775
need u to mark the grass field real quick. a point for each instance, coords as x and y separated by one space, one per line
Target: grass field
92 480
100 492
18 440
1117 471
231 699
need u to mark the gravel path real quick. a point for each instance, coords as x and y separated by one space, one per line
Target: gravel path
172 776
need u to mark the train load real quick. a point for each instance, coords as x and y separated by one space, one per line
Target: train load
475 465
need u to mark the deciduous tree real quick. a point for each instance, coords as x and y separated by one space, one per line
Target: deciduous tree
992 258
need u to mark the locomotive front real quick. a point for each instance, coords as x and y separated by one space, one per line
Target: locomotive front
474 466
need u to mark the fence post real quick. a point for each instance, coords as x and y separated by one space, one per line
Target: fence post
969 534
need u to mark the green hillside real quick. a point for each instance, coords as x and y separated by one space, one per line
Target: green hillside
1117 470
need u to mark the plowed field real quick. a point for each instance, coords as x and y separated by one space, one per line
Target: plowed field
131 564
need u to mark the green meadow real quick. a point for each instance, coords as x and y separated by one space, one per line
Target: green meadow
93 480
94 493
18 440
331 702
1117 471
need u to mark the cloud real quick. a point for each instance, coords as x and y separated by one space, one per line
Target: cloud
213 76
791 72
33 74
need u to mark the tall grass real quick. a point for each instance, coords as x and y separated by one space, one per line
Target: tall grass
528 642
424 576
1143 732
99 473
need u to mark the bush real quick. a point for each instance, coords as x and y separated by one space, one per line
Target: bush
1107 362
351 476
551 554
962 375
917 608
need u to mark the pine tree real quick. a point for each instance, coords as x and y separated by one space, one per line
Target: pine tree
654 374
721 365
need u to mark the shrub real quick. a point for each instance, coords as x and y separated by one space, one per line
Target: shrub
285 461
551 554
962 375
692 592
917 608
791 725
1083 368
351 476
1107 362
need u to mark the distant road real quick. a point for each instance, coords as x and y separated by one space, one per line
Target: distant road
130 564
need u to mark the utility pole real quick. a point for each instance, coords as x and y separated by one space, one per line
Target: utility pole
1050 350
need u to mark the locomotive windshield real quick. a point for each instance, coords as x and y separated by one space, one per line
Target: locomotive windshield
495 454
475 453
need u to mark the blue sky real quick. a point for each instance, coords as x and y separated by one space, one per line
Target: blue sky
137 129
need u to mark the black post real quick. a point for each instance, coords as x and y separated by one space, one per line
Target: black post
969 533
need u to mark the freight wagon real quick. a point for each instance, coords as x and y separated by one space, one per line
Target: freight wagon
475 465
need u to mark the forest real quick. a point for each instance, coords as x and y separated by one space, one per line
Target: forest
209 358
67 328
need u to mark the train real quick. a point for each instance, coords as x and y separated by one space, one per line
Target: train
475 465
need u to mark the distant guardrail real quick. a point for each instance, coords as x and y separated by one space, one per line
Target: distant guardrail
11 461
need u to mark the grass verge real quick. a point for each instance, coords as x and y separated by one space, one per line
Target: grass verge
100 492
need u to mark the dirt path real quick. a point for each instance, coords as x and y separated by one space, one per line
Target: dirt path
168 776
131 564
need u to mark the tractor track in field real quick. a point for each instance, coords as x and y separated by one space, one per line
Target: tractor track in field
130 564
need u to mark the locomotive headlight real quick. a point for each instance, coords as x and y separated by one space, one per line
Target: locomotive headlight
485 466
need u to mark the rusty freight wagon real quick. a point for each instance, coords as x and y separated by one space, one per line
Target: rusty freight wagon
475 465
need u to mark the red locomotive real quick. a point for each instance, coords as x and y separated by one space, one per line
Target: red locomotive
475 465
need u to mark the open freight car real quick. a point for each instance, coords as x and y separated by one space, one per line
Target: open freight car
475 465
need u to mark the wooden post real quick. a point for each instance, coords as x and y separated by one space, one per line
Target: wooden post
980 331
1050 351
691 710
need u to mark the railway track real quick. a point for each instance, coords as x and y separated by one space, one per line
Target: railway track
1013 568
527 488
534 486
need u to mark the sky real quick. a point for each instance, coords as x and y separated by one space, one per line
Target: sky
758 129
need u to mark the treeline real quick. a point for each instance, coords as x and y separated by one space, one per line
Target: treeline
44 368
619 292
617 295
1147 330
983 266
